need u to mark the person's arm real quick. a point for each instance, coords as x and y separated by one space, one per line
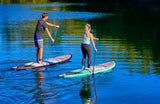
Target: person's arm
49 34
92 39
95 38
52 25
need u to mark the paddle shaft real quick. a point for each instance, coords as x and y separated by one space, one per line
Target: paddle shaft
94 61
52 45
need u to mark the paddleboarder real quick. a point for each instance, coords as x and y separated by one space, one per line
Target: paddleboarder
85 45
41 27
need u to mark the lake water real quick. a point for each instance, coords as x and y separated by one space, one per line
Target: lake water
128 35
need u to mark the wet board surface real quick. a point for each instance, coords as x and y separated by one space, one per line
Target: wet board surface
47 62
97 69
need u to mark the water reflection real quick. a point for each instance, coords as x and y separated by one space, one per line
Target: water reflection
40 94
86 91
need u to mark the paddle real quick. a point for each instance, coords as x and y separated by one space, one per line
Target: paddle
95 97
94 61
52 44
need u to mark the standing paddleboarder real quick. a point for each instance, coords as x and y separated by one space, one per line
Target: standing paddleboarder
42 25
85 45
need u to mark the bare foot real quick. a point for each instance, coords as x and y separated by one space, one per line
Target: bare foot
83 68
89 68
41 62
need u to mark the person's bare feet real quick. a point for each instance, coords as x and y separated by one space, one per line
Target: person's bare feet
83 68
89 68
41 62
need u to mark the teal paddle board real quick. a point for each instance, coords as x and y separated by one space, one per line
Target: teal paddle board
105 67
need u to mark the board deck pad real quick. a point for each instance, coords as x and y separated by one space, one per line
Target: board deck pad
97 69
46 62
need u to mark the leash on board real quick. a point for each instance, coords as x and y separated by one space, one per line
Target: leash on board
52 45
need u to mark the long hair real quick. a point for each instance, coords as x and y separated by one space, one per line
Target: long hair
87 28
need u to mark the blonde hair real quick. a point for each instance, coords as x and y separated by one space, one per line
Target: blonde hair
87 28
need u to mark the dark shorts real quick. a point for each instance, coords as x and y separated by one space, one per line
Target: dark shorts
38 41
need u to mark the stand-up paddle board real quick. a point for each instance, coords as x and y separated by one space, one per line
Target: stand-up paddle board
46 62
97 69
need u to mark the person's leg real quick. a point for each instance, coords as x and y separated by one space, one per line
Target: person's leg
37 53
41 54
89 56
40 46
84 55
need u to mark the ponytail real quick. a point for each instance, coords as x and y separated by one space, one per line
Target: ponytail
87 28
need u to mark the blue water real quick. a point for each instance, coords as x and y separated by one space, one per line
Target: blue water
135 79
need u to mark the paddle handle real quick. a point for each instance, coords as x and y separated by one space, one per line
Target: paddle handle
54 36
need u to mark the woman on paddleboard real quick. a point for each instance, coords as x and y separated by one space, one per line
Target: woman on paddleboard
85 45
42 25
